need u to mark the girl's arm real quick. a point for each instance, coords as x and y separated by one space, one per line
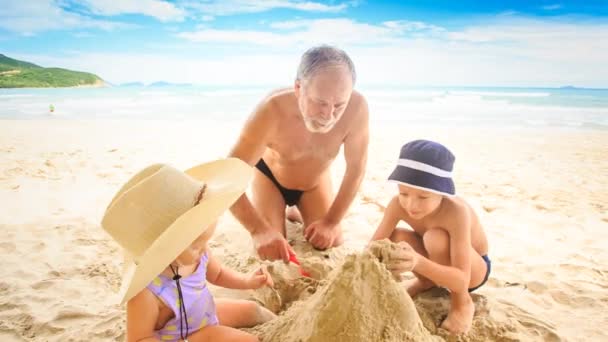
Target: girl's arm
142 314
225 277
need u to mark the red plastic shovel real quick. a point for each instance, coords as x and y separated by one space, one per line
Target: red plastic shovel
294 259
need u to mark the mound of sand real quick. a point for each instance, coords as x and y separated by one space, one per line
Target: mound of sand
361 301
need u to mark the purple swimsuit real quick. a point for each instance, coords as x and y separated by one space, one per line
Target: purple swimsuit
200 307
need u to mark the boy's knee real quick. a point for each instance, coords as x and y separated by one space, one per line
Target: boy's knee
400 234
436 241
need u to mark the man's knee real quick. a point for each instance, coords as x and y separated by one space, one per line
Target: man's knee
437 243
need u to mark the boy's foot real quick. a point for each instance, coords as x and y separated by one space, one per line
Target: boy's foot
293 214
415 286
460 317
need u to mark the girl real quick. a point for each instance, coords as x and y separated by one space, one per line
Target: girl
163 219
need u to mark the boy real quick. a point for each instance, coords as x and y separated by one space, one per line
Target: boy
446 245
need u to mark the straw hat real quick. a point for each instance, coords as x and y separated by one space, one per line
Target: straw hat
154 216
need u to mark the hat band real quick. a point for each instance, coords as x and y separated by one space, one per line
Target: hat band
412 164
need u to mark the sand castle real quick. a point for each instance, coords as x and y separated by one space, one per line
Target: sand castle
361 301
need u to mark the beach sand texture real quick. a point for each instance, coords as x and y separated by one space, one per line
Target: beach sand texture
540 193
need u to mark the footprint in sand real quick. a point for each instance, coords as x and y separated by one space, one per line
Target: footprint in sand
8 247
69 314
4 288
489 208
40 246
43 284
85 242
536 287
368 200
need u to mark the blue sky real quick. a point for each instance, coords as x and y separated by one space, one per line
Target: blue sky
245 42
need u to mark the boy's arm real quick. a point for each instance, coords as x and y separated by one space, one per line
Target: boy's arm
456 278
225 277
389 220
142 314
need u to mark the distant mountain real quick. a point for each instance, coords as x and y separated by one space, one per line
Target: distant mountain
132 84
20 74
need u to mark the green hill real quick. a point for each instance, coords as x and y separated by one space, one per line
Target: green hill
19 74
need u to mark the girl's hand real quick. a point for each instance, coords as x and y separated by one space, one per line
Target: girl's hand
260 278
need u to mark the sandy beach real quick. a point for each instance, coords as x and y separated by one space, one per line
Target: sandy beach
540 193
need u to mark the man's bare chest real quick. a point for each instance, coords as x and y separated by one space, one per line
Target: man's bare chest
293 146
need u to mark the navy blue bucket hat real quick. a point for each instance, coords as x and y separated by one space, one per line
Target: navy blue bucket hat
425 165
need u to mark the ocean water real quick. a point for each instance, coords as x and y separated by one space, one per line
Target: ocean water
446 106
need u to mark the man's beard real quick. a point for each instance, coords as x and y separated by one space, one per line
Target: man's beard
314 127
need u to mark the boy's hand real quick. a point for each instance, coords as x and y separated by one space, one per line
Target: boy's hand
260 278
403 259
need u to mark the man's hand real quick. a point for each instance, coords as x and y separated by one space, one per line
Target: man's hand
402 259
271 245
323 234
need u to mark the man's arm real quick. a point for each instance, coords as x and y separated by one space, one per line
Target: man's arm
455 277
250 148
355 154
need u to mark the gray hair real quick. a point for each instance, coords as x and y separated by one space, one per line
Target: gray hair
323 56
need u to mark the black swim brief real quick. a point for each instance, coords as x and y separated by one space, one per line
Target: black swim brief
291 197
485 279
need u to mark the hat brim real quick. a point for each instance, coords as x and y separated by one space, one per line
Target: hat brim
422 180
226 181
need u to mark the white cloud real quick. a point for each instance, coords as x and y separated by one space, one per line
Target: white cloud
541 40
32 16
406 26
228 7
335 31
552 7
502 52
233 37
29 17
161 10
506 51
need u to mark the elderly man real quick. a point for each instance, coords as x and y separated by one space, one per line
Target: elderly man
292 138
